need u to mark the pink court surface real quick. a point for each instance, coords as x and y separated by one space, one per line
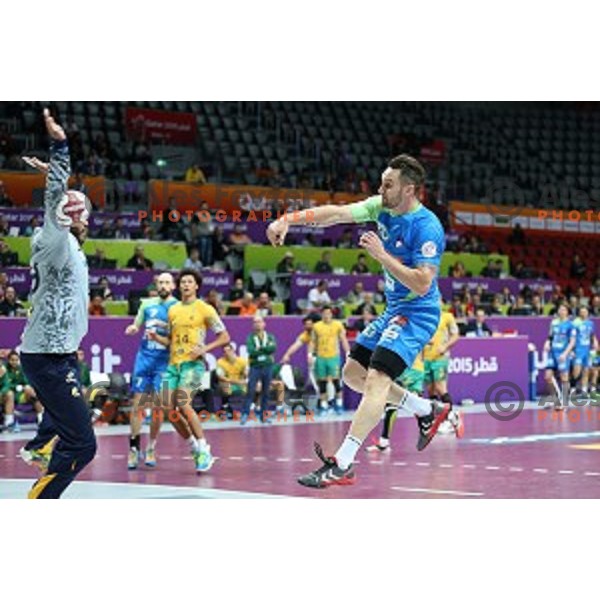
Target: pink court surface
539 454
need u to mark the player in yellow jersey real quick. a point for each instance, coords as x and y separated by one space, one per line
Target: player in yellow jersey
189 322
437 355
232 372
327 335
412 379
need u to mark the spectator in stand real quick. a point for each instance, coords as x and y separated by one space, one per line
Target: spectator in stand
474 304
214 299
318 296
457 308
366 316
237 291
4 227
11 306
3 284
195 175
379 295
219 247
238 238
519 271
138 261
5 199
537 307
264 306
470 306
98 260
246 304
517 235
193 260
361 267
520 308
169 229
582 297
205 230
574 306
557 295
84 372
578 268
8 258
34 223
96 308
106 231
596 286
356 294
324 265
121 232
457 270
286 264
346 239
367 304
308 240
496 306
478 327
492 270
104 289
595 306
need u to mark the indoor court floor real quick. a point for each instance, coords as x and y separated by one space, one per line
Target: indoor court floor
539 454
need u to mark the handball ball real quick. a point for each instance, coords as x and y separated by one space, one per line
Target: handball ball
78 206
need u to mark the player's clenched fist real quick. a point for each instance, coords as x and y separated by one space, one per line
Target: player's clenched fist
276 232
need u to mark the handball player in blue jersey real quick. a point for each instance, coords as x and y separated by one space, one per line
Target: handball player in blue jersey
585 345
409 246
151 362
559 345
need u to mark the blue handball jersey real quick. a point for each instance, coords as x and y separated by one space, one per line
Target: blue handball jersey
415 238
585 334
561 333
153 316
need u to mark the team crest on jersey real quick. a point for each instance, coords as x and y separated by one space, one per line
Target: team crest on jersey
383 232
152 312
399 321
429 249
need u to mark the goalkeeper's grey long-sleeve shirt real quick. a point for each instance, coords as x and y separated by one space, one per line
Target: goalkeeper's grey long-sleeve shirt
59 293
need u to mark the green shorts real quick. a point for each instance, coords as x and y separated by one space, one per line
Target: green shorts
436 370
186 375
327 367
412 380
238 390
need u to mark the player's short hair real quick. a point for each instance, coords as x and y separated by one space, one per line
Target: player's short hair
326 307
411 170
192 272
308 319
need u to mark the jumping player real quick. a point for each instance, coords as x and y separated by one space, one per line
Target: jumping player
189 322
561 341
327 335
150 364
58 322
409 248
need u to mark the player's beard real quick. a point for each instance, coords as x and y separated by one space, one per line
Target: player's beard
80 231
164 294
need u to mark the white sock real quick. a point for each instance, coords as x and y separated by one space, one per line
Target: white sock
193 442
415 404
202 443
383 442
151 444
347 451
39 417
9 420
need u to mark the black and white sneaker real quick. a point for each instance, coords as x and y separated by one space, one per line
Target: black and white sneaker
429 424
329 474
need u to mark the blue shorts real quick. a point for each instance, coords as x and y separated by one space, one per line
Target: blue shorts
148 372
583 358
404 334
556 365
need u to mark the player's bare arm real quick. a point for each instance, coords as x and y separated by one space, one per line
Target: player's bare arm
417 280
322 216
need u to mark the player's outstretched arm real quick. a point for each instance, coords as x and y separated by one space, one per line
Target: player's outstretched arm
321 216
291 351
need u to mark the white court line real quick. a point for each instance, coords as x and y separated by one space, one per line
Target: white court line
375 462
469 467
117 456
591 474
259 458
399 464
515 469
236 458
435 491
540 470
492 468
566 472
422 464
281 459
305 459
446 466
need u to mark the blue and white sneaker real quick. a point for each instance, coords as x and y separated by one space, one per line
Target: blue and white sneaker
203 459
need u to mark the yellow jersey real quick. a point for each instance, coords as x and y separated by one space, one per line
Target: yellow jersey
326 338
304 337
235 370
446 328
188 324
419 365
